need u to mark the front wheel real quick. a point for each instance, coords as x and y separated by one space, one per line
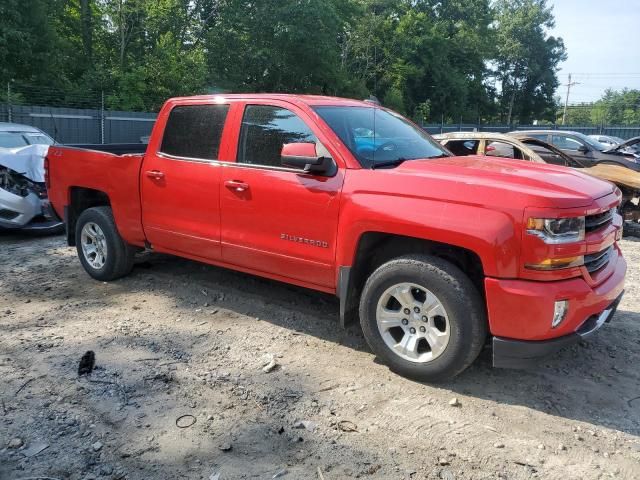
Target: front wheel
423 317
102 251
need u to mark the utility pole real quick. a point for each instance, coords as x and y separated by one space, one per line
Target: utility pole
566 101
9 112
102 117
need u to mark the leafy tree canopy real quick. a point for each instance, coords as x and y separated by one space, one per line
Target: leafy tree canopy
435 60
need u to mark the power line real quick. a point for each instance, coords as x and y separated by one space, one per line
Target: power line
608 74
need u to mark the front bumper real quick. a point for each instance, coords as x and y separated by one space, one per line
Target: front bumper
520 312
26 213
509 353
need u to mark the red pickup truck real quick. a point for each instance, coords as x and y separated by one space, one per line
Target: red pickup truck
435 254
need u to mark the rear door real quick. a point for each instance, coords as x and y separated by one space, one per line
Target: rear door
275 219
180 181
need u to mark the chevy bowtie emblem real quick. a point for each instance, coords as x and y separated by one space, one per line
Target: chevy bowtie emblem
306 241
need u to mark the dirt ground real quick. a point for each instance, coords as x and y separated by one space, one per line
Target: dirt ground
179 390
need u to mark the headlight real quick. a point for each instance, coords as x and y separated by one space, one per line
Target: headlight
557 230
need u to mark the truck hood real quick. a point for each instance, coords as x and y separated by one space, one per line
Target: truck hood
513 182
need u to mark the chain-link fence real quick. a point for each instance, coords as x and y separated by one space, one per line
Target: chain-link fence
74 125
75 117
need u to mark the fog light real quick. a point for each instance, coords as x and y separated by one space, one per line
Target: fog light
560 309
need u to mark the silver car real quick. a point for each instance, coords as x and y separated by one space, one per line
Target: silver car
608 140
24 204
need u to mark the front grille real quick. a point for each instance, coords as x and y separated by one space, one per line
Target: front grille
596 261
598 221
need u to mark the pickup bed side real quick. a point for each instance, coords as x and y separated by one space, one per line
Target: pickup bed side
79 179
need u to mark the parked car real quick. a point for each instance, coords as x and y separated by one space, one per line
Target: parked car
583 148
629 148
14 135
607 140
519 145
434 253
23 197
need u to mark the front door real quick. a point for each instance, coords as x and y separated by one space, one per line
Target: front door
278 220
180 183
574 148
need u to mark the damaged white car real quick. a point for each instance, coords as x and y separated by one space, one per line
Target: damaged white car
23 196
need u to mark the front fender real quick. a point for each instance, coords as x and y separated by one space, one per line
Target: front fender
489 233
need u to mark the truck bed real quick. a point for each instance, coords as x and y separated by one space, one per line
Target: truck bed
75 171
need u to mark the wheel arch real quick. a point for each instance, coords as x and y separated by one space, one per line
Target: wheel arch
80 199
376 248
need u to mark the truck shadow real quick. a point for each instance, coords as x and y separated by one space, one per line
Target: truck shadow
595 382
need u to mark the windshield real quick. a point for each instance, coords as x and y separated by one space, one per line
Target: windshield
594 143
377 136
12 140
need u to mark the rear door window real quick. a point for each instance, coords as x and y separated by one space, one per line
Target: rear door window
501 149
540 136
194 131
566 143
462 148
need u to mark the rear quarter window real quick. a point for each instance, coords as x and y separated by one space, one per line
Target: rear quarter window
462 148
194 131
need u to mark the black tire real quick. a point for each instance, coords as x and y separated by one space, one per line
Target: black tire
462 303
119 258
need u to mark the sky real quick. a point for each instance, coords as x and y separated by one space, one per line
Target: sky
602 39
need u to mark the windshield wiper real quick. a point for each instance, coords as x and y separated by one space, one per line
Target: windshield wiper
388 163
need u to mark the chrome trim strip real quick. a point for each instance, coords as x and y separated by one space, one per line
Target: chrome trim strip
228 163
188 159
265 167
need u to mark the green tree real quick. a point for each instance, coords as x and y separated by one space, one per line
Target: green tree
526 60
408 53
284 46
424 50
27 41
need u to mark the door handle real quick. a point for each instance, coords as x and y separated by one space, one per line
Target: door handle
156 174
236 185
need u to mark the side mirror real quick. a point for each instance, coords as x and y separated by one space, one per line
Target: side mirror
583 149
304 156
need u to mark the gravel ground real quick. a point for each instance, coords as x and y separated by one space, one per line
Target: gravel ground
179 390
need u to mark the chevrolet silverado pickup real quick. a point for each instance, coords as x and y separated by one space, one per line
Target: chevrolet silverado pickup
436 255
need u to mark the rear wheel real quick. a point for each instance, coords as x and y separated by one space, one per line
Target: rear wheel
102 251
423 317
